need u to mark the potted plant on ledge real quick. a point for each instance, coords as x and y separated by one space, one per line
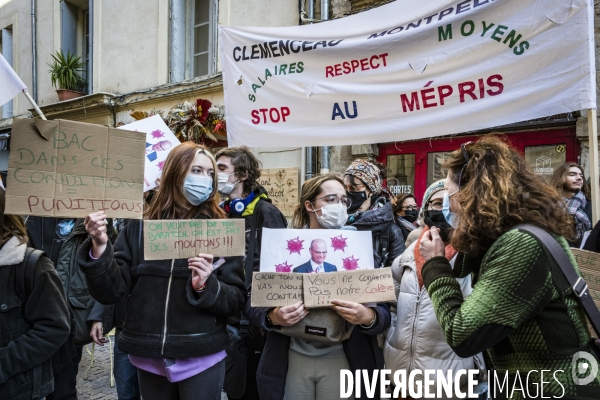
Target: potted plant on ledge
65 72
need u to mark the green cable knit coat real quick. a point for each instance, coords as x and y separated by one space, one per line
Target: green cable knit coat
522 311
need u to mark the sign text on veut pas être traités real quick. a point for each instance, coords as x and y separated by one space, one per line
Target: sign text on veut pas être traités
167 239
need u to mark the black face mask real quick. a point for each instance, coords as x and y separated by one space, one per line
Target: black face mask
358 198
437 219
411 215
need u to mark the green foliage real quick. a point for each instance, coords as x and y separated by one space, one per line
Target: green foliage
65 71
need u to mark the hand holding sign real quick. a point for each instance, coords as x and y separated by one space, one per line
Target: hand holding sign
355 313
201 267
288 315
95 225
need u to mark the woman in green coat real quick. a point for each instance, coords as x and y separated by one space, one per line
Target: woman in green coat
522 312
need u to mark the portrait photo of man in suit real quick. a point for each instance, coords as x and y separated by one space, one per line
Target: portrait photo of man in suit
318 253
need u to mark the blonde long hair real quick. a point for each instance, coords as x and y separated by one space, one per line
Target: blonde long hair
311 189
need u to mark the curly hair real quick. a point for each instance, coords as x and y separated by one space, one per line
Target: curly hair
398 200
559 178
245 165
498 190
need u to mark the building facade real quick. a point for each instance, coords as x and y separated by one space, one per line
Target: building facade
151 55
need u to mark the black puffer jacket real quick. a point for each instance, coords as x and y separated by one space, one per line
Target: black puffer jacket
380 221
32 328
165 316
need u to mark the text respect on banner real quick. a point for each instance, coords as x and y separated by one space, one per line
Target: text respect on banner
408 70
78 169
168 239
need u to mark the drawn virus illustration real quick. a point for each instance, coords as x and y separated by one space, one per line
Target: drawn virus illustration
283 267
295 245
339 243
350 263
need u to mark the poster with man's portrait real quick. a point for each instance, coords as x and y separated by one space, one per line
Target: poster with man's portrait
315 250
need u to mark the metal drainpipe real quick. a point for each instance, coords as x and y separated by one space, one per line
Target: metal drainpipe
324 150
310 151
33 52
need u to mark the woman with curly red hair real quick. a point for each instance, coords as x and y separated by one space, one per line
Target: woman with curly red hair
522 311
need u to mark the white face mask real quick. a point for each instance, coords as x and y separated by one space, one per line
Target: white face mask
333 216
225 187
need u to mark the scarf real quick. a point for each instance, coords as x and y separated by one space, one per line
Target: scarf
575 207
420 261
410 226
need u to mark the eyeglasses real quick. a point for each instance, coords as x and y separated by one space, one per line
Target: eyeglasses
436 205
334 199
409 208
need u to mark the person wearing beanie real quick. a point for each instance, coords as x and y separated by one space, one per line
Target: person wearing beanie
371 210
416 341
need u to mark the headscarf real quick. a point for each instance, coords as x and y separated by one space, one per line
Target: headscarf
368 173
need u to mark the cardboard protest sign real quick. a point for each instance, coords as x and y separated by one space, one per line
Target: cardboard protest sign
70 169
299 250
360 286
407 70
282 186
167 239
589 266
273 289
159 143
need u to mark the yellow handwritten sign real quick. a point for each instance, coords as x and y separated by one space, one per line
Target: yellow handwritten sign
282 187
80 168
168 239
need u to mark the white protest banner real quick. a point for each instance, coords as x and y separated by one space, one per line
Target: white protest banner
408 70
303 250
159 143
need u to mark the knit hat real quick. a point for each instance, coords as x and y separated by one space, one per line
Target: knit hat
368 173
431 190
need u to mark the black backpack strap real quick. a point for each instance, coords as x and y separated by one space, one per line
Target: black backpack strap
244 323
578 284
384 245
25 274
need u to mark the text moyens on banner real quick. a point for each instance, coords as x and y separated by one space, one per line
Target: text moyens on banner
468 27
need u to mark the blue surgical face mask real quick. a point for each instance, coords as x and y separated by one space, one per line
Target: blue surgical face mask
451 217
197 188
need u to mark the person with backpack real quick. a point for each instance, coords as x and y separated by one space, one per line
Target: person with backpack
523 311
34 316
371 210
175 328
60 238
239 173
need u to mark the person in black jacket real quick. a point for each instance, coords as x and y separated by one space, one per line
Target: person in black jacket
33 325
297 368
175 325
406 210
239 173
372 210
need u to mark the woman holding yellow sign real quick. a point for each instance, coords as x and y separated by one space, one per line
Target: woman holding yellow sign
175 325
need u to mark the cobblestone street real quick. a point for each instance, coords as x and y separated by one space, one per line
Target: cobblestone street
97 384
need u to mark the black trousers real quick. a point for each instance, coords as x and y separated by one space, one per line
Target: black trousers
206 385
65 379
